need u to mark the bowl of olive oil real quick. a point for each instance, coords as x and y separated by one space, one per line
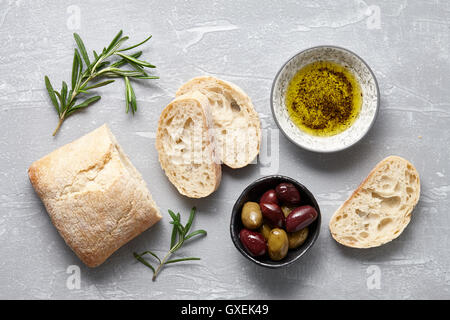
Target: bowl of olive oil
325 99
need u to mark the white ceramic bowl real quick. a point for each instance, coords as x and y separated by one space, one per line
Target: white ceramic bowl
369 89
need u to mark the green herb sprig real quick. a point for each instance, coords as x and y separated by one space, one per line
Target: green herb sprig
180 234
66 101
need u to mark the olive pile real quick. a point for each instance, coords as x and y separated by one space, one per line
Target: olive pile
278 223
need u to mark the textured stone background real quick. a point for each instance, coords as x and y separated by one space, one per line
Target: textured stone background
405 42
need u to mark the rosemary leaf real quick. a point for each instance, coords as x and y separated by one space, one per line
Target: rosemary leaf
114 41
191 219
136 61
123 73
64 94
142 260
51 93
173 238
195 233
114 49
74 70
61 101
136 45
179 231
84 104
173 215
181 259
100 84
79 62
121 62
176 222
146 77
127 94
153 254
101 67
138 68
82 48
133 100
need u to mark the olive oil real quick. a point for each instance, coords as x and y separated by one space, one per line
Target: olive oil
323 98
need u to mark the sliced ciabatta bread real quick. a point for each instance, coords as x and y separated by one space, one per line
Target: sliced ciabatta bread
186 146
236 123
380 208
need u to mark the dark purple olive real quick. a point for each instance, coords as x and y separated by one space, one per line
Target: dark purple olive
272 212
300 218
287 193
254 242
269 196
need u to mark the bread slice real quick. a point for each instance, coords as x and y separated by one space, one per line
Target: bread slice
380 208
236 124
186 146
94 196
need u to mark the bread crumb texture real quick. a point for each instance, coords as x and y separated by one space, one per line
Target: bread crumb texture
94 196
186 147
235 123
380 208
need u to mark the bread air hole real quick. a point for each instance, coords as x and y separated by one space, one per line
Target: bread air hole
363 234
390 203
410 176
360 213
383 223
235 106
350 239
387 202
188 123
409 191
386 182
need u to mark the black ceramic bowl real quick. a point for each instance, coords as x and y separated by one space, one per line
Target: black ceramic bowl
253 193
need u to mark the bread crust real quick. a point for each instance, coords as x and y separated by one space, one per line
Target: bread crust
235 150
212 167
94 196
405 216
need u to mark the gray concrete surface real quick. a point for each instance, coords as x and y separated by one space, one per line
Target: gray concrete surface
405 42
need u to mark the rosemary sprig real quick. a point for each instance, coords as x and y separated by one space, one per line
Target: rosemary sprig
84 71
180 234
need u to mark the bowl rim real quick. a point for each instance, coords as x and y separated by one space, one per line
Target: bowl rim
234 232
304 146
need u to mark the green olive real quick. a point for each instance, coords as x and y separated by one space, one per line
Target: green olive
265 230
251 215
278 244
286 210
296 239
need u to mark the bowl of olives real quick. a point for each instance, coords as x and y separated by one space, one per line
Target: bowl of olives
275 221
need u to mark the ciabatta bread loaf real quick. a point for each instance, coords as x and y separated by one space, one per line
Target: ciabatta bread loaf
380 208
94 196
186 146
236 124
